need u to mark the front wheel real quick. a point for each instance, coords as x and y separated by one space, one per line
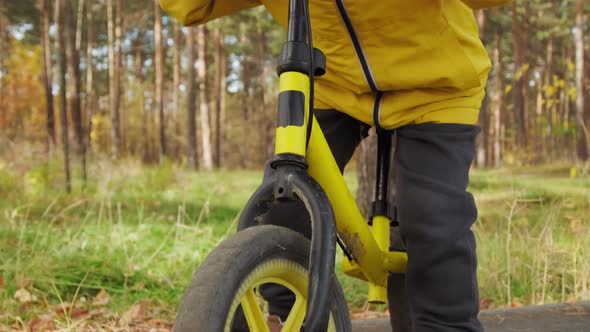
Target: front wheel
225 287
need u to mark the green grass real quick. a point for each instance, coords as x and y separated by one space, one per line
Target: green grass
140 232
135 232
532 233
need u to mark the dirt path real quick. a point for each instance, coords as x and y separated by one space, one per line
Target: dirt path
547 318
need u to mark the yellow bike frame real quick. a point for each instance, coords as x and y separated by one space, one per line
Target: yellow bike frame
368 246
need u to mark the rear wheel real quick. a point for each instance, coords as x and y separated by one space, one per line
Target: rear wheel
223 295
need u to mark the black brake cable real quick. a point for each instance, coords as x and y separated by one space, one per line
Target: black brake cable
311 69
345 250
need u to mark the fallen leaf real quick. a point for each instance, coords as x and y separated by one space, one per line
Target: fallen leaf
159 323
77 312
1 282
42 323
23 296
368 314
515 303
134 314
62 308
102 298
485 303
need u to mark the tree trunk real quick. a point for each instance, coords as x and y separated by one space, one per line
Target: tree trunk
583 139
539 142
367 158
264 117
44 9
586 86
3 51
498 100
245 74
517 84
367 169
140 87
193 157
203 99
113 84
75 82
554 118
562 114
222 101
526 61
176 86
159 71
119 71
90 95
219 92
60 24
246 99
79 18
545 109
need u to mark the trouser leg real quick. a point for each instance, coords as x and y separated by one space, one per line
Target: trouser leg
436 212
343 134
400 315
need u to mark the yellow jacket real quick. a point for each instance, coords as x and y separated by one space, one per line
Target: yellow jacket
389 62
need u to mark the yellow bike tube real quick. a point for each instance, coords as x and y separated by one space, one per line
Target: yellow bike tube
370 251
291 128
377 293
349 221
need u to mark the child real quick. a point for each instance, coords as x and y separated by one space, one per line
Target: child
420 68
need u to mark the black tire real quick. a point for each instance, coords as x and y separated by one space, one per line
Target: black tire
207 303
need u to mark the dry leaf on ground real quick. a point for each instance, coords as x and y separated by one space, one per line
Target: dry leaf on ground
77 312
102 298
367 314
516 303
486 304
134 314
23 296
159 323
42 323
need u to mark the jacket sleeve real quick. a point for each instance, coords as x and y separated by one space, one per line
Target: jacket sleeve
479 4
195 12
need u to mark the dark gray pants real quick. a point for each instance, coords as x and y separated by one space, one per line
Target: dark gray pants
431 167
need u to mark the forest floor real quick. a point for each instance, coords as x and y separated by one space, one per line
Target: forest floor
119 251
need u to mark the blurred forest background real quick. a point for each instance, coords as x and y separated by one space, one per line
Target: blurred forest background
129 144
121 79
